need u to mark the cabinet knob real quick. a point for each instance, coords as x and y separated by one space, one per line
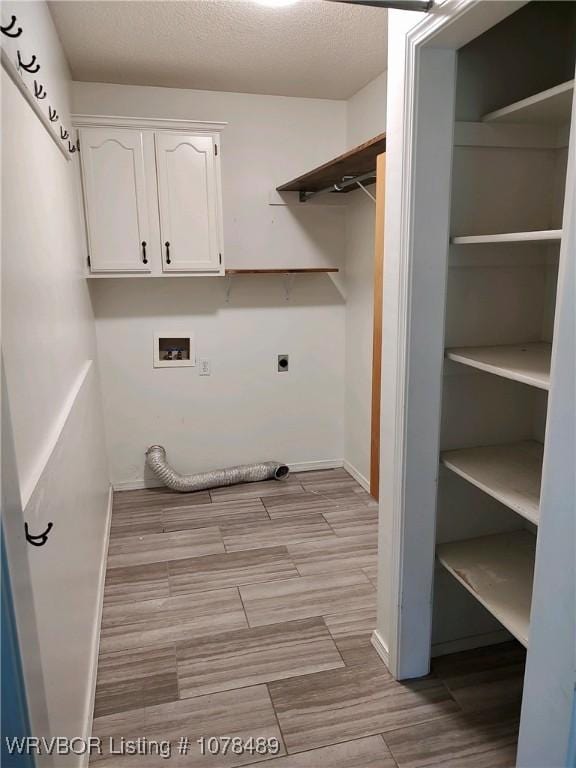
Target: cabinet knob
144 259
167 244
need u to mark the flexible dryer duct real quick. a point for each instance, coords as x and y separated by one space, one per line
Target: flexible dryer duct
246 473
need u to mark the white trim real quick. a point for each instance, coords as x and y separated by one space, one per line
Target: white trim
471 642
146 123
28 484
380 647
311 466
357 475
454 23
426 194
137 485
295 466
151 276
83 763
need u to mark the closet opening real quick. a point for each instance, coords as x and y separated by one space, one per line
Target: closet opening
485 262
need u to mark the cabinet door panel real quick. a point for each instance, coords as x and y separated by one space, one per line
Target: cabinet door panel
116 203
188 202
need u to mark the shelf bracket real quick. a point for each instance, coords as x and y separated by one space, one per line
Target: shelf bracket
366 192
288 281
347 181
228 288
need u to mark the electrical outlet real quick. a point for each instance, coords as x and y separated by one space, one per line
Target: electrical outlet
204 366
282 363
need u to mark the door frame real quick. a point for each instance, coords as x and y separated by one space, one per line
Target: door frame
421 87
377 327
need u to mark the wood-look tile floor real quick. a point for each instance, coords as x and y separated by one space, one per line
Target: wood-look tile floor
247 612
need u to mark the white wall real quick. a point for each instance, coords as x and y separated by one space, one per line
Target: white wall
245 410
366 118
366 111
53 404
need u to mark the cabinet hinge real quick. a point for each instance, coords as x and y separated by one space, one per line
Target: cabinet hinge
88 260
215 149
220 257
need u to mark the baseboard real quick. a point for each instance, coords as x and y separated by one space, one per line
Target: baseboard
295 466
471 642
136 485
358 476
83 763
311 466
380 647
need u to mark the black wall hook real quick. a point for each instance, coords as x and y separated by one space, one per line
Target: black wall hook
63 134
9 30
52 115
40 539
39 91
71 148
31 67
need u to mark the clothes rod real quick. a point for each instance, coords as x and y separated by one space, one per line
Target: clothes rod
347 181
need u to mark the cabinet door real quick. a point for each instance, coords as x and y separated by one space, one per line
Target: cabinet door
188 202
116 199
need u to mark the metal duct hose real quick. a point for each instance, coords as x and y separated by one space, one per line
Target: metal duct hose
246 473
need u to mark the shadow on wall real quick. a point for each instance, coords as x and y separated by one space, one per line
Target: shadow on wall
165 297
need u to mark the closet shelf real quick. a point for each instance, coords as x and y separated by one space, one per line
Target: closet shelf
510 473
550 107
498 571
543 235
527 363
342 174
283 271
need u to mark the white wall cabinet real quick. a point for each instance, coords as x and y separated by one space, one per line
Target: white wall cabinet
152 198
115 181
188 202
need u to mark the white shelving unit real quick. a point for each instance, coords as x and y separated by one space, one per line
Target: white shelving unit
526 363
550 107
545 235
510 473
498 570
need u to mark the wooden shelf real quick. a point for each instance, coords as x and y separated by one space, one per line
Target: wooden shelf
527 363
287 271
356 162
498 571
543 235
551 107
510 473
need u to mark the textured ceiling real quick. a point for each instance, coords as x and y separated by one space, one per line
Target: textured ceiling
313 48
